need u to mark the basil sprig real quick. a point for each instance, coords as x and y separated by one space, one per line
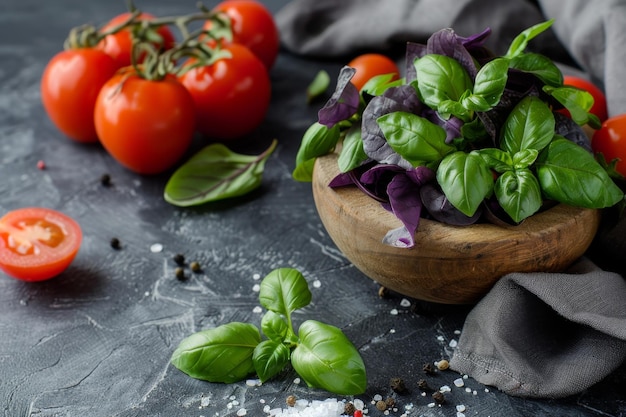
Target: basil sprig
321 354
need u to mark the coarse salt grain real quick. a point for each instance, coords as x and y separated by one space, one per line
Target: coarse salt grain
460 408
256 288
394 312
453 343
242 412
156 248
256 277
459 382
317 283
257 309
445 388
405 303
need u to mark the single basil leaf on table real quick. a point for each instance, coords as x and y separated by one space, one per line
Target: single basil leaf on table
318 86
569 174
518 193
222 354
284 290
216 173
325 358
269 358
466 180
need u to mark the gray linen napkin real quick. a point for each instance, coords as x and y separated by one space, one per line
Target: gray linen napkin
536 334
546 335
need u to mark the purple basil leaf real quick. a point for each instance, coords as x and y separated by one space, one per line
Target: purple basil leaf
377 178
401 98
452 125
413 52
341 180
570 130
494 213
476 40
343 103
421 175
446 42
440 208
406 205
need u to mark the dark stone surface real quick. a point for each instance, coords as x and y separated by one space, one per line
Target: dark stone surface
96 341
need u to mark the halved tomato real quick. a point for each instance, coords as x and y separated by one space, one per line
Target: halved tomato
37 243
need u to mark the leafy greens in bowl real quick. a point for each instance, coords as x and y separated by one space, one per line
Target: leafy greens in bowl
464 136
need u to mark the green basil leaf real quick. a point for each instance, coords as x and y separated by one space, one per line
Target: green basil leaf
441 78
221 354
284 290
525 158
318 140
530 125
269 358
496 159
352 154
326 359
490 82
448 108
318 86
540 66
274 326
303 172
465 180
569 174
415 138
216 173
378 84
518 193
520 42
578 102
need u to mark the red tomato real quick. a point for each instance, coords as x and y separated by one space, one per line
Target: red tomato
69 87
120 45
371 65
145 125
599 99
253 26
610 140
37 243
231 96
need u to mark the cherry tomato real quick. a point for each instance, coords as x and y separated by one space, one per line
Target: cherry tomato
253 26
610 140
599 99
231 95
120 44
69 86
371 65
37 243
146 125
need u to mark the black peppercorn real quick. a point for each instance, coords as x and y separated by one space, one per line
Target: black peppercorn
179 259
195 266
423 385
115 243
439 397
428 368
397 384
349 409
180 274
291 400
105 180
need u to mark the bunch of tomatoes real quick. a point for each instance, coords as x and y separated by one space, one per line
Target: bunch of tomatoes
131 86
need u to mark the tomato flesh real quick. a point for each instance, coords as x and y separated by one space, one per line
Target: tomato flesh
37 243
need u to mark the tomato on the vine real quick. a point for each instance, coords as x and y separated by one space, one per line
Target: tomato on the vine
253 26
371 65
69 86
610 140
146 125
37 243
231 95
599 107
119 45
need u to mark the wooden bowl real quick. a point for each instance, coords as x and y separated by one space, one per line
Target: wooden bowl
449 264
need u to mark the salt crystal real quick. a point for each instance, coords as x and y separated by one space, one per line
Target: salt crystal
378 397
405 303
468 389
242 412
460 414
486 389
358 404
317 283
392 331
256 288
459 382
453 343
440 338
156 248
457 332
445 388
394 312
475 392
204 402
431 405
253 382
460 408
256 277
257 310
296 381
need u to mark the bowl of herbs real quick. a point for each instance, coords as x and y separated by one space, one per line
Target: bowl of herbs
438 184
